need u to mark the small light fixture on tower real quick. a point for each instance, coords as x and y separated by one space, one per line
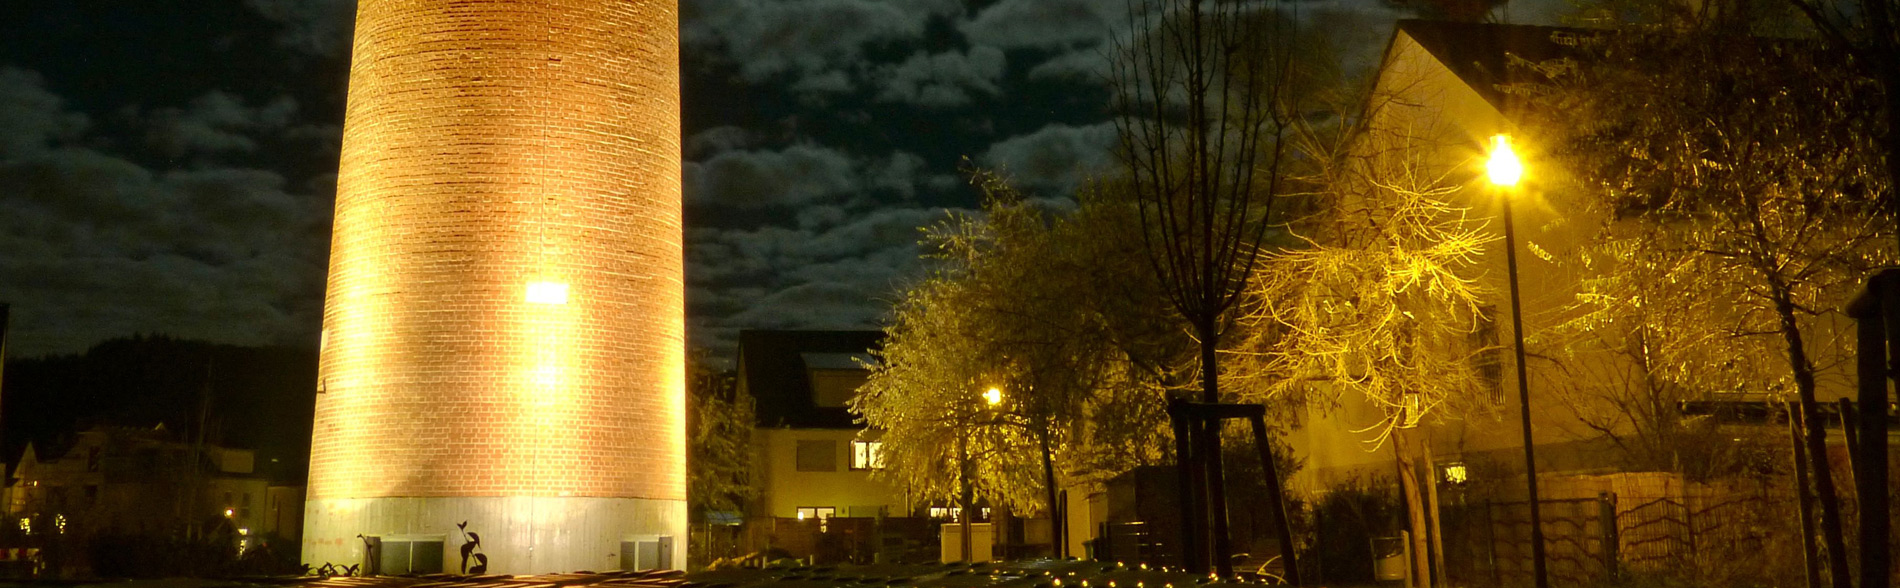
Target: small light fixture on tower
547 293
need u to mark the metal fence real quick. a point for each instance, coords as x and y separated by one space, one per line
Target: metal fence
1700 540
1488 543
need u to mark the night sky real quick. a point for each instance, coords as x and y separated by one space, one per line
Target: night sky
168 166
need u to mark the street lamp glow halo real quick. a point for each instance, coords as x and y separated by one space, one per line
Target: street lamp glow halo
993 396
1504 168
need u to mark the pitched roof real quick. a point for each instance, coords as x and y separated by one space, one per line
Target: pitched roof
1480 53
773 369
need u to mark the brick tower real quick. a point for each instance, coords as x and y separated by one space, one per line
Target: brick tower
503 334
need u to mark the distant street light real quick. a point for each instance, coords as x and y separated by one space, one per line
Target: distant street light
994 397
1505 170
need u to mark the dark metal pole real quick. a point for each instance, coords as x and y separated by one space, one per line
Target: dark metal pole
1217 497
966 495
1524 400
1184 464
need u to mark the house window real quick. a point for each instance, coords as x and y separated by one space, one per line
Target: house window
818 456
945 512
822 514
806 513
867 455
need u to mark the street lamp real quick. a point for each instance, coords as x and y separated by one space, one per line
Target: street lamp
992 398
1504 170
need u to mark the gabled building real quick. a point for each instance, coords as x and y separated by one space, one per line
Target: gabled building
1446 88
813 460
1451 86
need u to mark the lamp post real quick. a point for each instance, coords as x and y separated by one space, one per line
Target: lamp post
1504 170
992 399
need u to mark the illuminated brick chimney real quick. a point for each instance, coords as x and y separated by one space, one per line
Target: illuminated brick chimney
503 335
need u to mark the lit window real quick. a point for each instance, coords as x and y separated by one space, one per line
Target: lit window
822 514
1455 473
547 292
945 512
867 455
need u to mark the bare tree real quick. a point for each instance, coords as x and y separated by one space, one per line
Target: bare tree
1201 98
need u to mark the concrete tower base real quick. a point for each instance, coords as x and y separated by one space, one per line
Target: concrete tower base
521 535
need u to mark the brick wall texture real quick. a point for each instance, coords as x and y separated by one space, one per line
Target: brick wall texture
488 145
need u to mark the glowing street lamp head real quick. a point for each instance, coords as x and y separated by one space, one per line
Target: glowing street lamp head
994 396
1503 167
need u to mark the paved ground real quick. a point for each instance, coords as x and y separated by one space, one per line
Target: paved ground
1024 574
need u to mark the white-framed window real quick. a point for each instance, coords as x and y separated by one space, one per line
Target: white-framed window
822 514
867 455
806 513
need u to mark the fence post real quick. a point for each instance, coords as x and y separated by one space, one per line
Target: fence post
1688 522
1606 523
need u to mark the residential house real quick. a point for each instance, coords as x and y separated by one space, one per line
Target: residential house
814 461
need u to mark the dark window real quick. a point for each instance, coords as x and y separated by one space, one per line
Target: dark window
423 556
818 456
647 554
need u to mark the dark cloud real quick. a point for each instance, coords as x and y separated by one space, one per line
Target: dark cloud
799 176
943 80
794 176
216 122
1045 24
94 245
805 40
317 27
1056 159
843 275
31 118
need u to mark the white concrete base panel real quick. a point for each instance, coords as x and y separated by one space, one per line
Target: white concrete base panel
521 535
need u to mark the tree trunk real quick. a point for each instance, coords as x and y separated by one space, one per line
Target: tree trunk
1804 501
1420 563
1823 477
1209 452
1431 512
1056 529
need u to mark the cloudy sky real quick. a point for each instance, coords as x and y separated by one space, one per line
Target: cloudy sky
168 166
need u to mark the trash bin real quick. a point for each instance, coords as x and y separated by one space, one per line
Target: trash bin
1390 559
